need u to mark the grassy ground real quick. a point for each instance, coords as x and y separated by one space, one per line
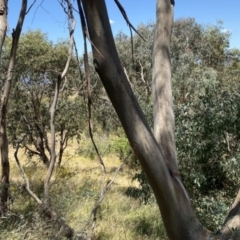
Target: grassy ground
75 188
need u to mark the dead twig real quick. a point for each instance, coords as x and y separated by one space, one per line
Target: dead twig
122 10
49 212
131 27
30 7
103 193
87 72
27 183
84 28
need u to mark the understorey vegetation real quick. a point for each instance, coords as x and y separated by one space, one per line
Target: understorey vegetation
90 156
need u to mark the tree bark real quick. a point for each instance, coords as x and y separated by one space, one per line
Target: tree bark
231 227
53 142
163 115
177 214
3 111
54 107
3 23
62 144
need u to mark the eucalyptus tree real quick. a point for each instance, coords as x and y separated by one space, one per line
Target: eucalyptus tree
206 111
199 90
157 154
40 62
4 106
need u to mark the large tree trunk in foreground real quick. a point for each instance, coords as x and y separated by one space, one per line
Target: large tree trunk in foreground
177 214
3 111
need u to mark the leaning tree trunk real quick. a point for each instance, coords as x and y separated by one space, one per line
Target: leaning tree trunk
177 214
3 111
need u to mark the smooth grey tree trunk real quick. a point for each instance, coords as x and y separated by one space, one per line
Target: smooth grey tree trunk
163 115
177 214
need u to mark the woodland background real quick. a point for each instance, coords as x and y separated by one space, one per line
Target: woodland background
206 86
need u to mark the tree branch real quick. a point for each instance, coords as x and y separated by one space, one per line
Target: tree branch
103 193
88 78
54 105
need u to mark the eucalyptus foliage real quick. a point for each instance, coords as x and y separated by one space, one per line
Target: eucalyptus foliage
40 61
206 80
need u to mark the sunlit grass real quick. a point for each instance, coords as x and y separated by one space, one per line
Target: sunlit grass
75 188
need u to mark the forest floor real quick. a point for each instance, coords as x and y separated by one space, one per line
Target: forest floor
75 188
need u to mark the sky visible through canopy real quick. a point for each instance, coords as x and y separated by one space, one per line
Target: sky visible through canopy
48 16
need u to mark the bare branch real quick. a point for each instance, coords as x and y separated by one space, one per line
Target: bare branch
71 31
51 213
79 67
54 105
90 125
84 27
131 27
30 7
27 186
31 151
87 72
36 10
103 193
127 20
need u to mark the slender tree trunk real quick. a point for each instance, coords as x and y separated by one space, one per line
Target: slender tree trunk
54 107
53 142
3 23
3 136
3 111
4 163
177 214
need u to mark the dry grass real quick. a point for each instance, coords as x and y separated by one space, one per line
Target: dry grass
75 187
